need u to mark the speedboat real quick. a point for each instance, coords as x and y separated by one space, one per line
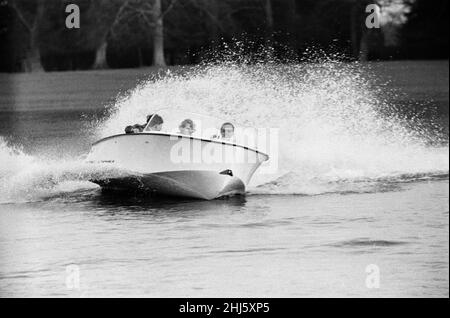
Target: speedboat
164 158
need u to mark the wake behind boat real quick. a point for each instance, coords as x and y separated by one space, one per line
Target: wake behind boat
181 154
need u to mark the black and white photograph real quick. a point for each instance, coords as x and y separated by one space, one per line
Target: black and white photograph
224 149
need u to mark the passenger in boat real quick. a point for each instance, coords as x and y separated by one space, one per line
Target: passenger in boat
156 123
134 129
227 131
187 127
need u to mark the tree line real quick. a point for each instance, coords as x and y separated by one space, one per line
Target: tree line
133 33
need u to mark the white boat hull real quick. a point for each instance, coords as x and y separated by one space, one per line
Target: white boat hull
175 165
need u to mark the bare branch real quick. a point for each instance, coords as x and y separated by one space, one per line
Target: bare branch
213 18
20 15
119 13
171 5
146 20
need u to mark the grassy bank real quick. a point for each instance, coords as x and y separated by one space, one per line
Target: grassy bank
416 81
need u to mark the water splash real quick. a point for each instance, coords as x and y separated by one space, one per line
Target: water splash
26 178
338 130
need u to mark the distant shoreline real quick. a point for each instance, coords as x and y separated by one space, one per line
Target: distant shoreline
421 81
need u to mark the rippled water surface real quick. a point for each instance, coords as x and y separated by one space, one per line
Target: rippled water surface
254 246
358 206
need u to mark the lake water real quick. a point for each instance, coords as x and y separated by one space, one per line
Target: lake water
359 205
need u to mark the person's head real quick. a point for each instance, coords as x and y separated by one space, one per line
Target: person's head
155 122
129 130
134 129
227 130
138 128
187 127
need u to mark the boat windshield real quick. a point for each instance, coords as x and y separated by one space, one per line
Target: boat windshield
201 126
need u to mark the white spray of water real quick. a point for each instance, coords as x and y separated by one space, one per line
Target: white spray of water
331 125
26 178
333 136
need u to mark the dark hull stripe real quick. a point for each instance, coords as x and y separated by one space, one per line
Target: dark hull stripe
181 137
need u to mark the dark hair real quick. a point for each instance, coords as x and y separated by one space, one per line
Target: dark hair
187 121
155 118
129 129
222 129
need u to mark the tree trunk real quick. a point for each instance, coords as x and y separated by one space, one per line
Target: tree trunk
100 56
364 47
291 23
292 13
269 18
269 52
140 58
32 62
214 33
355 28
158 35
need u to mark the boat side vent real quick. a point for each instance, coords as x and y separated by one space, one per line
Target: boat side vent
227 172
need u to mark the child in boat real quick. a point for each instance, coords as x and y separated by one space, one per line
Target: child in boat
227 132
